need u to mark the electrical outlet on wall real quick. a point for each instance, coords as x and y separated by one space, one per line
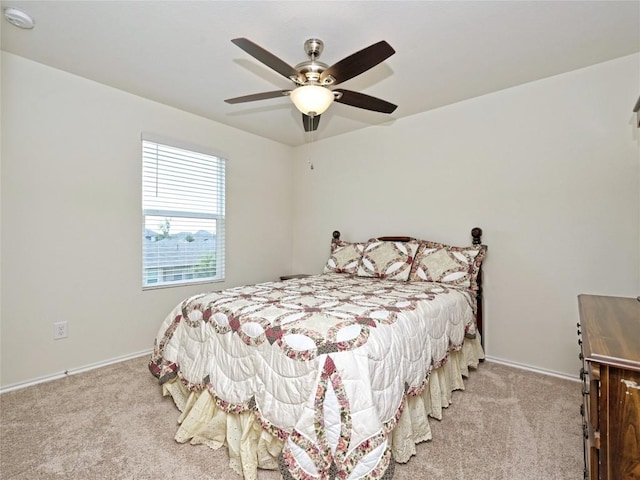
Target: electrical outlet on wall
59 330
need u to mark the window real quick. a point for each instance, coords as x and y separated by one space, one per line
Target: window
183 195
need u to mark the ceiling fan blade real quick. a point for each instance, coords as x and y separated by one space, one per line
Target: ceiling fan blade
358 63
268 58
360 100
310 123
258 96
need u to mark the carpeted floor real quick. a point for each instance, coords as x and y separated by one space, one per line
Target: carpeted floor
113 423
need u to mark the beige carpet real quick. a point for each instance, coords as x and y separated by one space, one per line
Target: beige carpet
113 423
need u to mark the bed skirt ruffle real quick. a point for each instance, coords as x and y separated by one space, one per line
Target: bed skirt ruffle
251 447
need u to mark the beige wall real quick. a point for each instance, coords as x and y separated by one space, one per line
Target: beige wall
550 170
71 217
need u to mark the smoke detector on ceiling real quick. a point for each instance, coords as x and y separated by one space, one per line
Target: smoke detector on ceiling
18 18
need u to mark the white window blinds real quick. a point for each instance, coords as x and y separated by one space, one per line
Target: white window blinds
183 197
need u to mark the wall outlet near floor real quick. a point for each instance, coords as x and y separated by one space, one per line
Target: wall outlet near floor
59 330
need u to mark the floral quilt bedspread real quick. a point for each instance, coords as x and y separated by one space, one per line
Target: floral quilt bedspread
324 362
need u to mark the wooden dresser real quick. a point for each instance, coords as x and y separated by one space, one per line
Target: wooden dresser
609 332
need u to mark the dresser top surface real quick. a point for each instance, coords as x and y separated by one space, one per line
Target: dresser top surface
611 330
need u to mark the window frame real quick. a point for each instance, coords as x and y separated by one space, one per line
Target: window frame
219 218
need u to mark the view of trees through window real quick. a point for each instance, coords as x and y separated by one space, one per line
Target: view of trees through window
175 254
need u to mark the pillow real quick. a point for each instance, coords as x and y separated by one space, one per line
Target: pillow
436 262
390 260
345 257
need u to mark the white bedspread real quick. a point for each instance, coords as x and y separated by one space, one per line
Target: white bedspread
323 362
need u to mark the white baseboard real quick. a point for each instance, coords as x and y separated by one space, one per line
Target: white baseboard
72 371
530 368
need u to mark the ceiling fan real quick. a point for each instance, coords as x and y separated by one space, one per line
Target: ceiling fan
311 94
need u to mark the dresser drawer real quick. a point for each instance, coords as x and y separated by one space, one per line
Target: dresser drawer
589 410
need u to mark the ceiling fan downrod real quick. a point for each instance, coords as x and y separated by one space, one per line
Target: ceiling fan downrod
312 69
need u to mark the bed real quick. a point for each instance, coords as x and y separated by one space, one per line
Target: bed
332 375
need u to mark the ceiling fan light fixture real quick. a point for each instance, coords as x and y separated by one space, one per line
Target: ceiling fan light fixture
312 99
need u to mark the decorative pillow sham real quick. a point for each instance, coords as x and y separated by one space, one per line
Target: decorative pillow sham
345 257
436 262
390 260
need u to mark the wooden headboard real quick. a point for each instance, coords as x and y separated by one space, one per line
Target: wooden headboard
476 239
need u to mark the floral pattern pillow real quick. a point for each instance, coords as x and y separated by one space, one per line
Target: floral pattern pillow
390 260
345 257
436 262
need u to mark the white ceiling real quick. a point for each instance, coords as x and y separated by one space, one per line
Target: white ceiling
179 52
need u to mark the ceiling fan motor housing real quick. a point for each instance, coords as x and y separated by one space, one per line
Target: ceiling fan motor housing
311 69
